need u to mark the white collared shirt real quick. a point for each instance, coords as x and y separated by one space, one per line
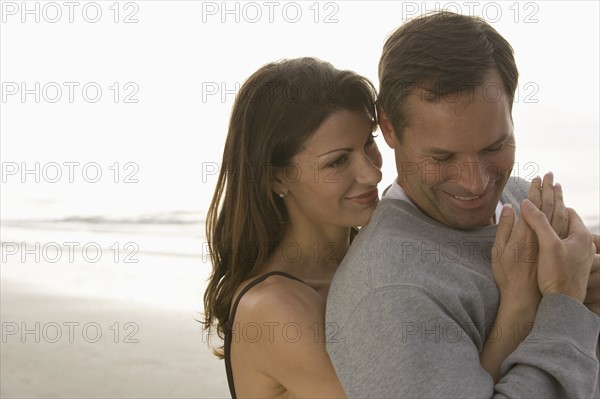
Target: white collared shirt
396 191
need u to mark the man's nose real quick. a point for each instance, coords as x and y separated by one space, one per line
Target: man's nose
473 176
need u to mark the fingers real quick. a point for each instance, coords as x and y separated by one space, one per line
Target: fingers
535 192
548 195
538 221
560 220
564 265
596 239
505 225
592 297
596 264
576 225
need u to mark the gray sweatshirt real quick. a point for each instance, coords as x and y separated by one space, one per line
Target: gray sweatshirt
413 302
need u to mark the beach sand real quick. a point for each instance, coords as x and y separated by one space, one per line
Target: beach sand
160 354
149 345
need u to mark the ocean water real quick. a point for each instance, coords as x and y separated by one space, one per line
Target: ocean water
160 261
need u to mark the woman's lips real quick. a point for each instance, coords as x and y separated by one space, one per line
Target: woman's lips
365 198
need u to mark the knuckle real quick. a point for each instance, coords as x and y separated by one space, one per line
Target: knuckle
548 205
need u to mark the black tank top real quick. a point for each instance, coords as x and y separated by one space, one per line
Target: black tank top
229 326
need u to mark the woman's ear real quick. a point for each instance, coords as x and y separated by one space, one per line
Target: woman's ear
279 184
387 129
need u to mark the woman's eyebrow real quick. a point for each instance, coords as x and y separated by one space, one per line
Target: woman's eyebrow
338 149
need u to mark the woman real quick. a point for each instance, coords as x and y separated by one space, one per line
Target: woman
300 170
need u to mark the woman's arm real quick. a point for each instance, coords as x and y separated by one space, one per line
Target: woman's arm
514 264
592 299
291 350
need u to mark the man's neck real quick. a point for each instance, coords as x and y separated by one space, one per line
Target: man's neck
396 191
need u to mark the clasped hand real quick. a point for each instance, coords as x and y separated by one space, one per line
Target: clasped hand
548 250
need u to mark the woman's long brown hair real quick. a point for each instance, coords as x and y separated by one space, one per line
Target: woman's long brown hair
275 112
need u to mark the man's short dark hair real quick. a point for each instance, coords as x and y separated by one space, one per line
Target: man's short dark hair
442 54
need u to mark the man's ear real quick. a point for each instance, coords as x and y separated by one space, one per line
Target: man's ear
387 129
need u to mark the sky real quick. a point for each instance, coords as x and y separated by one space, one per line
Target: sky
121 108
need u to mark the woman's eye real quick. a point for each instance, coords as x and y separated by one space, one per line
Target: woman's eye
337 163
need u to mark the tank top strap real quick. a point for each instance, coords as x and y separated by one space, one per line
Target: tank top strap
229 325
255 282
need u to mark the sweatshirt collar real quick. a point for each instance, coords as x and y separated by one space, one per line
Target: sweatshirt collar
395 191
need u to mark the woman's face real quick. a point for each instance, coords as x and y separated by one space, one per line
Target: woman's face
333 180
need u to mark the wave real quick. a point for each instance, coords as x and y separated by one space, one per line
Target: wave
162 218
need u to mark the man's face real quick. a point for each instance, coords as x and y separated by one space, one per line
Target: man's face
456 154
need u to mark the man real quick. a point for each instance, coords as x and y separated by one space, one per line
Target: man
415 300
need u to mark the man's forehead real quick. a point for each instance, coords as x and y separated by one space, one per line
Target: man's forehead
451 129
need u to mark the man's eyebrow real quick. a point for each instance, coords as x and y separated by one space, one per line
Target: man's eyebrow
441 151
338 149
501 139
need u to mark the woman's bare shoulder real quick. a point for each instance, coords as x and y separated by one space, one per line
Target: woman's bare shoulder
281 323
279 298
